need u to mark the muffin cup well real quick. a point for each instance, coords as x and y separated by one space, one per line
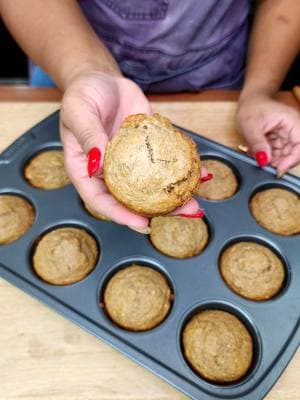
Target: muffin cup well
224 160
123 264
271 246
244 318
54 228
19 194
209 227
46 147
272 185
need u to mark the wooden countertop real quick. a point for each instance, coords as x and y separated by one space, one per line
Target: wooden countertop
44 356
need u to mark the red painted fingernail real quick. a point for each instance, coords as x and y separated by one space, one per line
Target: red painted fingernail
206 178
94 158
199 214
261 158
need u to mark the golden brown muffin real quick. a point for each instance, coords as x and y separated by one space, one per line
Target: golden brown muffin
95 214
224 183
137 298
150 166
16 217
47 171
65 256
252 270
178 237
218 346
277 210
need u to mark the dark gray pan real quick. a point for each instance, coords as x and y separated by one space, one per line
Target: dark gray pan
196 282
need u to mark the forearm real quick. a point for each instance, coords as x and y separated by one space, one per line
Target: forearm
56 35
274 44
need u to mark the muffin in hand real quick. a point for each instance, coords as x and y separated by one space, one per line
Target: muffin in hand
150 166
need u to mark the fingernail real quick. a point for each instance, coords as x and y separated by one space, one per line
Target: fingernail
261 158
144 231
93 163
199 214
206 178
280 174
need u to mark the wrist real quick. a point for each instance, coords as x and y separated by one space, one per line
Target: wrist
258 88
88 68
259 91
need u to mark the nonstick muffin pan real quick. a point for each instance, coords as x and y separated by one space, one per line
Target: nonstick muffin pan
196 283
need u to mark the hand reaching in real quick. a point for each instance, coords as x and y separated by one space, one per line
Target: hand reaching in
272 130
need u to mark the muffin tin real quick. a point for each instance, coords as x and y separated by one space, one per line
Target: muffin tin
196 282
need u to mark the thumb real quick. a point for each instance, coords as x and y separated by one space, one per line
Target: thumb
85 124
258 145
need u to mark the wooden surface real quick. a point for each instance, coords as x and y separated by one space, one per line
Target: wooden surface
44 356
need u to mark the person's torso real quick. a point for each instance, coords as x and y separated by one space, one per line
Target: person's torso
172 45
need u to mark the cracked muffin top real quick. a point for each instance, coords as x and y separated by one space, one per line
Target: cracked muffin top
150 166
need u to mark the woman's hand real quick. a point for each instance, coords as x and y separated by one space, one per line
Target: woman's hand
93 107
272 130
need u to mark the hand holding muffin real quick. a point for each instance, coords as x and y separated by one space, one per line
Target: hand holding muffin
93 108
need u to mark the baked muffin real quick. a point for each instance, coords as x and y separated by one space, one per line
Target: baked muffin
47 171
95 214
252 270
150 166
224 183
218 346
65 256
277 210
178 237
137 298
16 217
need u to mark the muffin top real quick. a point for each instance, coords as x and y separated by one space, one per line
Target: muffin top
277 210
46 170
150 166
65 256
16 217
224 183
218 346
178 237
252 270
137 298
95 214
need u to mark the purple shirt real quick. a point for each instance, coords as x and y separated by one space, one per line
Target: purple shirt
172 45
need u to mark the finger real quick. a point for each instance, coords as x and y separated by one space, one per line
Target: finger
287 149
290 161
258 143
93 191
189 208
81 120
204 172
